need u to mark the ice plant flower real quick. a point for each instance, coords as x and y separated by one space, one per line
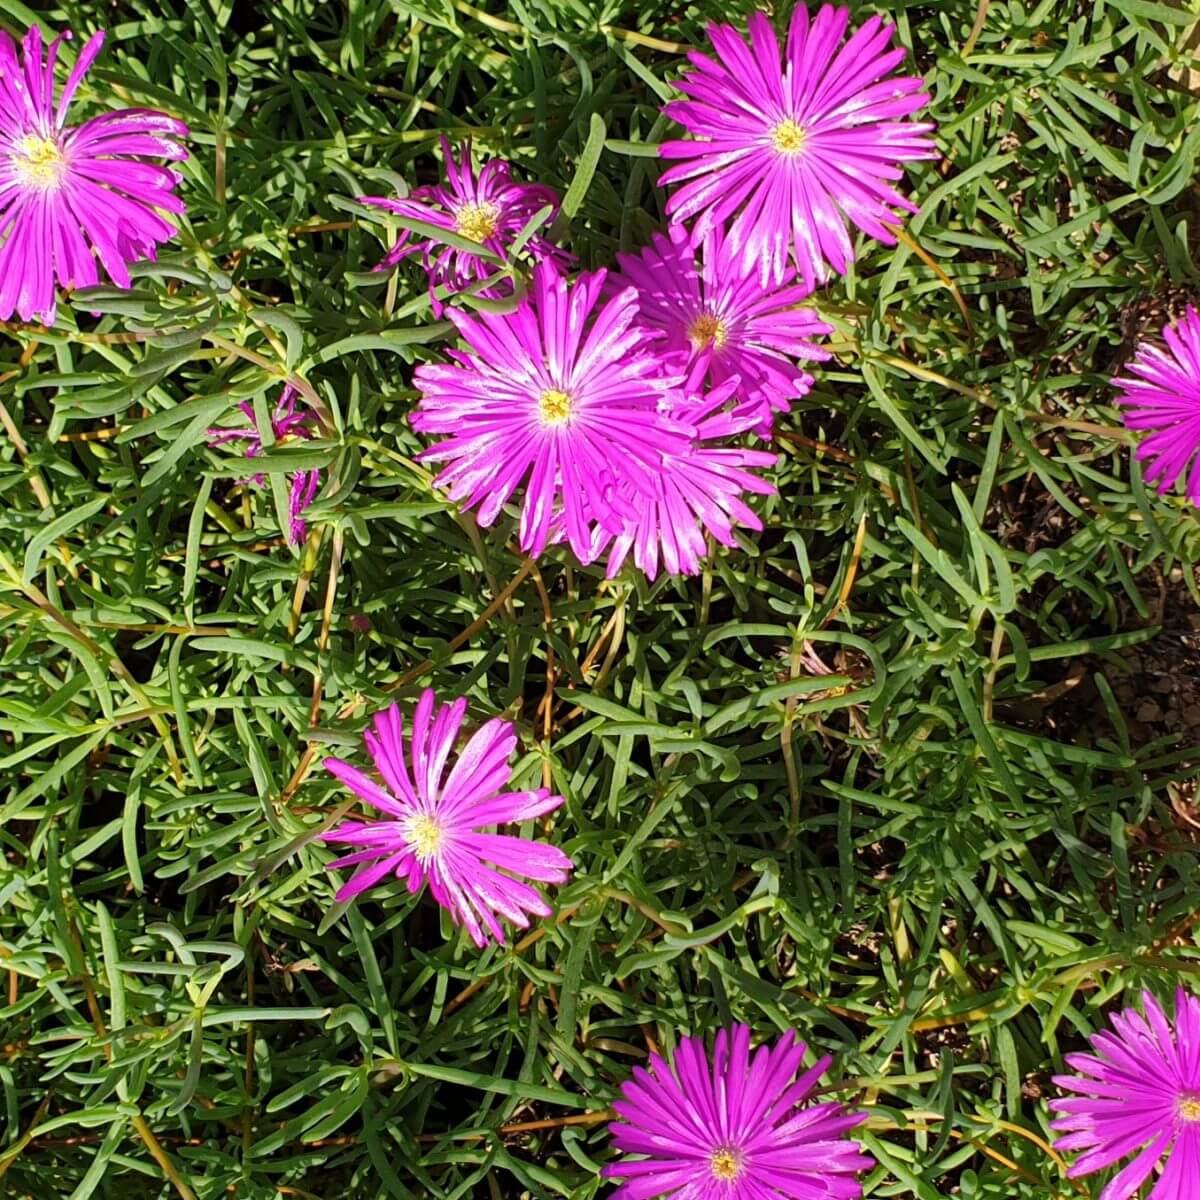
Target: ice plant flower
1162 393
488 208
562 395
74 199
715 320
698 491
734 1127
434 824
287 425
786 147
1139 1090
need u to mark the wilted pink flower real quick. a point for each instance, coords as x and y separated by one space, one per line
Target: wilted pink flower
286 425
786 152
1162 393
697 491
70 196
562 395
733 1128
489 208
435 820
716 319
1139 1091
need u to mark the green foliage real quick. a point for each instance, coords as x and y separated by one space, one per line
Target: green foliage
869 777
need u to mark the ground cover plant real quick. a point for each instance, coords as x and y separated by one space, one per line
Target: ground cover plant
906 774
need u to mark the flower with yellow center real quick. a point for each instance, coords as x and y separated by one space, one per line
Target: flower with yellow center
1188 1108
707 329
477 222
726 1164
39 161
788 138
424 835
554 407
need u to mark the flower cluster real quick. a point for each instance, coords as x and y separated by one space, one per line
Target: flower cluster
564 397
620 406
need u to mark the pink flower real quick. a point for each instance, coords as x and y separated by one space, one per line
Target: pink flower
433 830
562 395
287 425
787 150
70 196
698 491
1138 1091
490 209
733 1126
1162 393
716 320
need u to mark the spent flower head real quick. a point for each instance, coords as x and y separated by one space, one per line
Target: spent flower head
287 424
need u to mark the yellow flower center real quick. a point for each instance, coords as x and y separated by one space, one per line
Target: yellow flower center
39 161
725 1164
1189 1108
787 137
705 330
425 836
554 407
477 221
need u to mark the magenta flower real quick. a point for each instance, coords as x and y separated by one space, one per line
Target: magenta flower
1162 393
72 196
433 830
1138 1091
733 1128
490 208
562 395
697 491
287 425
787 152
716 320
